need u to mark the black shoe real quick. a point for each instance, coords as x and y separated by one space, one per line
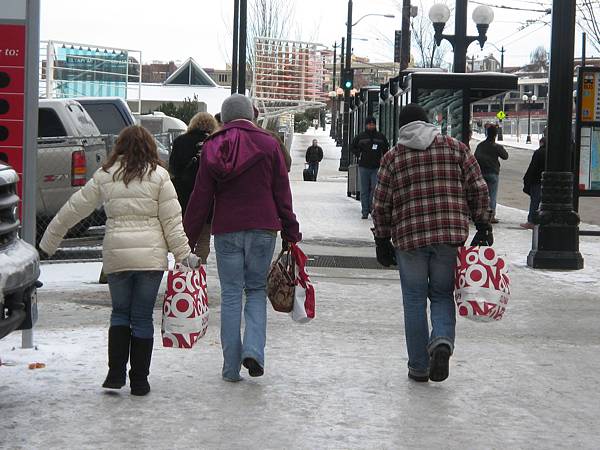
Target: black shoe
118 354
439 363
418 378
254 368
141 356
365 216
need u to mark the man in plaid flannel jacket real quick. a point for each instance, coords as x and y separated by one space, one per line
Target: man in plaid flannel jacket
428 187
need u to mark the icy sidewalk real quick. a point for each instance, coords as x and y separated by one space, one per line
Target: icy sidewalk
528 381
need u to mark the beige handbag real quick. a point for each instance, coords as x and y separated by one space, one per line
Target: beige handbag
280 282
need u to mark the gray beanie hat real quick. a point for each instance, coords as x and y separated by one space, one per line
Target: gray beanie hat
237 107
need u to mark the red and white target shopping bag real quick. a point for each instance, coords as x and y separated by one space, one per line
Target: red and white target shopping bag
185 307
482 284
304 293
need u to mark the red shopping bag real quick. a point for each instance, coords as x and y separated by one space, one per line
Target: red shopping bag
185 308
482 284
304 293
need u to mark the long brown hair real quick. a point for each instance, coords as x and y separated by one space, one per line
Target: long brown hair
136 152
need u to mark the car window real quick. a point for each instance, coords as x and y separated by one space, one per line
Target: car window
49 124
108 118
85 124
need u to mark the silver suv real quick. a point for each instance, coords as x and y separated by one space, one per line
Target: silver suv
19 262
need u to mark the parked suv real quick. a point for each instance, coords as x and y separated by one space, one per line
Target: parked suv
19 262
111 115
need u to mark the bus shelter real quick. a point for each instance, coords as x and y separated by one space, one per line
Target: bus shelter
447 97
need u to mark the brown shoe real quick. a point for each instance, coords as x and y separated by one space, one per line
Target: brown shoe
494 220
527 226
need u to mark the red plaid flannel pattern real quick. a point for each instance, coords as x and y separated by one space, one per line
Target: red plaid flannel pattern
425 197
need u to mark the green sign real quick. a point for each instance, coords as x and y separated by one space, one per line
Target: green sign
501 115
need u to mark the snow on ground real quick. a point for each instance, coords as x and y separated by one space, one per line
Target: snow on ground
514 141
338 382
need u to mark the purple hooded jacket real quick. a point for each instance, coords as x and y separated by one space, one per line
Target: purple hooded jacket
242 171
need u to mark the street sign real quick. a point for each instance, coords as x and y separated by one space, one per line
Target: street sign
501 115
590 97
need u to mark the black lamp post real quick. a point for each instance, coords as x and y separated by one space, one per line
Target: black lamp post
345 155
482 16
529 100
556 235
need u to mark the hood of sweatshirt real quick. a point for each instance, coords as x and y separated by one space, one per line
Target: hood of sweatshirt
238 146
418 135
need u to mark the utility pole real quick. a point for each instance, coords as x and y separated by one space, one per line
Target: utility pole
345 156
236 44
556 234
243 45
460 33
405 53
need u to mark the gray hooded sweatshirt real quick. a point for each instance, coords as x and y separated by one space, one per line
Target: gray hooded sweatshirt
418 135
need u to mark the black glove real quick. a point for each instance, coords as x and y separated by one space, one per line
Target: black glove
484 236
386 255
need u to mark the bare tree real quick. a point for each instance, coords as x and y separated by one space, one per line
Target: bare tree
269 18
539 58
588 12
266 18
427 53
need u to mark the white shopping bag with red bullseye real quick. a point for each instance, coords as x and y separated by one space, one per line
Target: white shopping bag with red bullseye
482 284
304 293
185 307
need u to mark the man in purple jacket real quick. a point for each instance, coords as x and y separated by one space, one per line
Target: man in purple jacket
243 175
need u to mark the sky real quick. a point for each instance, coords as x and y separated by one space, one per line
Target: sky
177 29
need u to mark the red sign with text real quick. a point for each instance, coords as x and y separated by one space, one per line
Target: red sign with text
12 95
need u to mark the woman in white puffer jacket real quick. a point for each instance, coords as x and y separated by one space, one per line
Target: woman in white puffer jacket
143 224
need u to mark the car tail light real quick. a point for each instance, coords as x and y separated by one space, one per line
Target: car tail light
78 168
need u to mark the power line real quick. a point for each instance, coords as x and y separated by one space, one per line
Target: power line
514 8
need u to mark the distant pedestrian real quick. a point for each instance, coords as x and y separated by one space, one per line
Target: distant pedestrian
314 155
369 146
532 182
183 165
243 175
429 186
143 224
488 155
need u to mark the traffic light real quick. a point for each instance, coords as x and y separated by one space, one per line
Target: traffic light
398 46
348 79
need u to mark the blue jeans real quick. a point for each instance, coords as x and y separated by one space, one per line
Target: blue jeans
368 181
492 180
243 261
133 296
427 272
534 202
314 168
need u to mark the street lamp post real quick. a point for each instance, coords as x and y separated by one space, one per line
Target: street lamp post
345 154
529 100
482 16
556 235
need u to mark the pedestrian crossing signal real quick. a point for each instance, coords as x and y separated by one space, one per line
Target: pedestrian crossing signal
348 79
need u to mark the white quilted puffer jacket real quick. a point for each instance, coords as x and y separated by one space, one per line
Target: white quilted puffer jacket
143 220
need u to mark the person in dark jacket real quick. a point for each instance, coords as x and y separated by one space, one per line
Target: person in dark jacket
183 166
488 155
532 182
314 155
369 146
